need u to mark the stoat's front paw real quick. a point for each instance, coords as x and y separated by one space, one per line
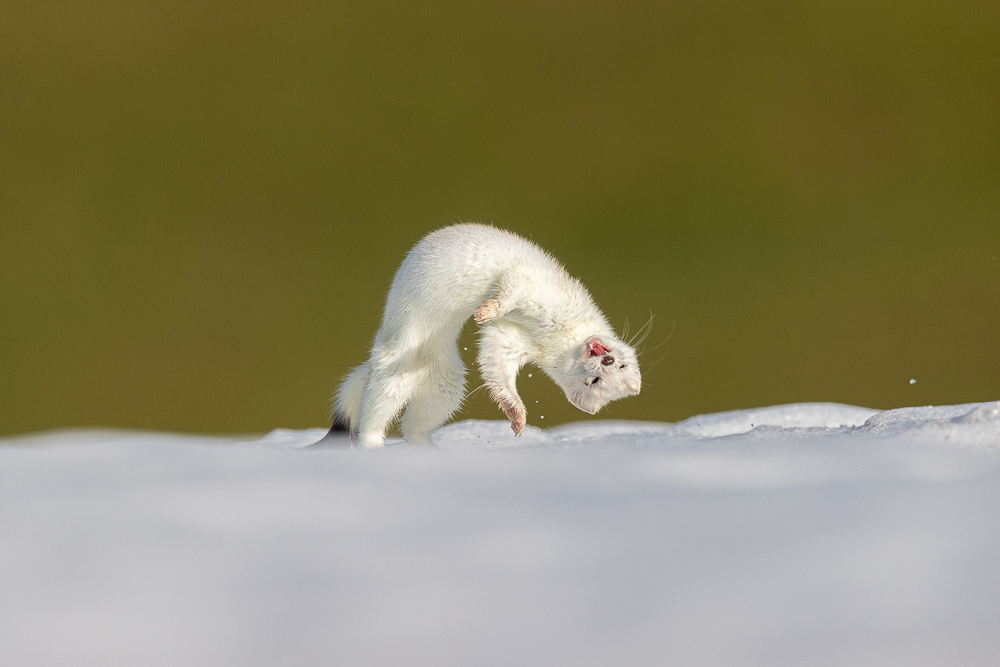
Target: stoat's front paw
517 416
488 311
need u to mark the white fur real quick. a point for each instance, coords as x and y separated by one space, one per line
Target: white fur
529 311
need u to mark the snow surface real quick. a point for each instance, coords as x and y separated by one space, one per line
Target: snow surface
813 534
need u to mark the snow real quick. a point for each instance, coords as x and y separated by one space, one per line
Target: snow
810 534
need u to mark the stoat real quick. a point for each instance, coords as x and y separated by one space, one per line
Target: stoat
529 310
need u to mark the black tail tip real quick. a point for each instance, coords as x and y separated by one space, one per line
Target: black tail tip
341 424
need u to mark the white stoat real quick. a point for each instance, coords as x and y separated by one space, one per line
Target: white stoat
529 311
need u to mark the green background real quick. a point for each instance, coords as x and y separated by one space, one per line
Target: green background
202 203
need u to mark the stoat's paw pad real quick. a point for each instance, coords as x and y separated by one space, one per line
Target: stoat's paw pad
488 311
518 418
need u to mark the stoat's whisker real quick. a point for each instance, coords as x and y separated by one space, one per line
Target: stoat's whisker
647 369
475 391
643 331
660 344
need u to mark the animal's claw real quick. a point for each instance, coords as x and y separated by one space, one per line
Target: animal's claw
488 311
517 416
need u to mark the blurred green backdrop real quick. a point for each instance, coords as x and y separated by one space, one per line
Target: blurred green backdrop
202 203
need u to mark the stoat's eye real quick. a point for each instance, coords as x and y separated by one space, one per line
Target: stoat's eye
607 360
622 366
595 381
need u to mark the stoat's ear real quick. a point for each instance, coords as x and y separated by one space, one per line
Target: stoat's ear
595 348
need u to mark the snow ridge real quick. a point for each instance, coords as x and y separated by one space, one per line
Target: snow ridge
806 534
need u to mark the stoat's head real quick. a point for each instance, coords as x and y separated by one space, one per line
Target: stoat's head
604 370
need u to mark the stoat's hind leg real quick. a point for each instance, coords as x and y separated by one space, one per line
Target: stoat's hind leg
437 394
389 387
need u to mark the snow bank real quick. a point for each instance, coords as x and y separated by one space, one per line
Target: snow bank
815 534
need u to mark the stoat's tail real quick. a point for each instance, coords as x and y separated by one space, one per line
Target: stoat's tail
347 403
